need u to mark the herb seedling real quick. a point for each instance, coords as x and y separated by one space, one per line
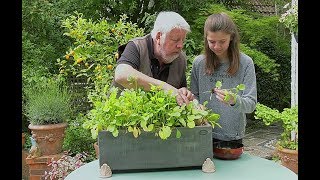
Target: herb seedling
229 92
136 110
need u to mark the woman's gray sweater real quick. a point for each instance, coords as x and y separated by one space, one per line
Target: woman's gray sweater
232 118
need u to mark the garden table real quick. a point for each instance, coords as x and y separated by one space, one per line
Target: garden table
247 167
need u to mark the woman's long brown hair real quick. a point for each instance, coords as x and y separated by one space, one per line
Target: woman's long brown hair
222 22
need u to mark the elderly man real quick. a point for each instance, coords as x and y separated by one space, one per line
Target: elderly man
157 58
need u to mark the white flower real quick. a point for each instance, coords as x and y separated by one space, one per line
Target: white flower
290 18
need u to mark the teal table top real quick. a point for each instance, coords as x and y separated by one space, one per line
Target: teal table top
247 167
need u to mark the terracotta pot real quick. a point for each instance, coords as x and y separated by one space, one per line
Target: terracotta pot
289 158
49 137
227 150
23 139
96 148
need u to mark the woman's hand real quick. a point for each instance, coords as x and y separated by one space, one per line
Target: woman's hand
221 96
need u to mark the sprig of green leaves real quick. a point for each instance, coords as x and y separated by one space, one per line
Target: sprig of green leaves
232 92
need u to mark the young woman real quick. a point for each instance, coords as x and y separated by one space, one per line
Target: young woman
222 61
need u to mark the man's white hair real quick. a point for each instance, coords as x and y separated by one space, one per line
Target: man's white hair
168 20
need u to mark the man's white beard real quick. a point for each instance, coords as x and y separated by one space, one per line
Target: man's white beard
167 59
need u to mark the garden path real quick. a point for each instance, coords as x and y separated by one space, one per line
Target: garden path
261 142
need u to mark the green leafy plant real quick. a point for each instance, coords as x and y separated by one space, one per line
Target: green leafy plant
289 120
136 110
95 47
48 102
232 92
77 139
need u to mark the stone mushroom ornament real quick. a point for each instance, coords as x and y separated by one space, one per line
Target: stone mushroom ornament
208 166
105 171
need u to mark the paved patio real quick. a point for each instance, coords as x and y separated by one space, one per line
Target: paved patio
262 141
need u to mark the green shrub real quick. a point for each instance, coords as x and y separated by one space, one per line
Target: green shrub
78 139
41 23
288 119
96 44
270 89
48 102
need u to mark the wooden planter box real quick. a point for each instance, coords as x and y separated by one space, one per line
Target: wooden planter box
150 152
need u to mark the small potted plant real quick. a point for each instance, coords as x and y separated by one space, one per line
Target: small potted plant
145 129
48 107
287 145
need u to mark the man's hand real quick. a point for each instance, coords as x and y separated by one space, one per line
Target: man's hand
184 91
184 96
